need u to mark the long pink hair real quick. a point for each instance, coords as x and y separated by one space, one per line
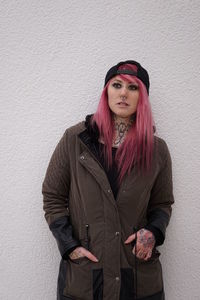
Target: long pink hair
137 147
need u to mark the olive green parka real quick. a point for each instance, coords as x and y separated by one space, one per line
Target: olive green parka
80 209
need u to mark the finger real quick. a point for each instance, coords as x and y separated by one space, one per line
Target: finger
138 248
145 257
148 255
130 239
89 255
141 255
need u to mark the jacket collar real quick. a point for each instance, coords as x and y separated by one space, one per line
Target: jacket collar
93 132
90 135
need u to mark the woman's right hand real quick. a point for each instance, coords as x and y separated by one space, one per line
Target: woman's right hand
82 252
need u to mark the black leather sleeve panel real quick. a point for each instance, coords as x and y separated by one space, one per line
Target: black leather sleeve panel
157 234
63 233
159 220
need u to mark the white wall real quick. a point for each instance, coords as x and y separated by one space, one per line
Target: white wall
54 57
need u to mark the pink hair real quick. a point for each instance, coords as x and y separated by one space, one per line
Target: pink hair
137 147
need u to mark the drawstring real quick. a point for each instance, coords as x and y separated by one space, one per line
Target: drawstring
135 243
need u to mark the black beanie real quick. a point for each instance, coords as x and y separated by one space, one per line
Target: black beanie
141 73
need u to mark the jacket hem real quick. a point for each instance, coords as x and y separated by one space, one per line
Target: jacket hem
157 296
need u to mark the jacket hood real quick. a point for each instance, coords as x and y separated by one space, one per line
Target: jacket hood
94 131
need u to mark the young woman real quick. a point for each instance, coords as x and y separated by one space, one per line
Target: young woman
108 193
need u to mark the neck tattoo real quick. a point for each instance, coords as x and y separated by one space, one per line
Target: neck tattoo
121 128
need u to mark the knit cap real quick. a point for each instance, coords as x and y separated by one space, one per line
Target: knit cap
141 73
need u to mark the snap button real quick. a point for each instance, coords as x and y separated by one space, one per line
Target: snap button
117 278
82 157
109 191
117 233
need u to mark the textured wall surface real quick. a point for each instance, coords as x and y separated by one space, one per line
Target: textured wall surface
54 56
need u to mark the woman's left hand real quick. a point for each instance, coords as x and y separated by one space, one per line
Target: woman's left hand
144 245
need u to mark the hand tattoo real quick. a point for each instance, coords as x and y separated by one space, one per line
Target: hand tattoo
76 253
146 238
145 244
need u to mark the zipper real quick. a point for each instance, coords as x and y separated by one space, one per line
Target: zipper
99 163
95 158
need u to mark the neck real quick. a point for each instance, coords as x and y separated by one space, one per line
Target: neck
121 128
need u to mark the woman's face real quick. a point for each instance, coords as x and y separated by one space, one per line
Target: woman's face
122 97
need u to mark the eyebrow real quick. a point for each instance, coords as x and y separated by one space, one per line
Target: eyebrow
121 81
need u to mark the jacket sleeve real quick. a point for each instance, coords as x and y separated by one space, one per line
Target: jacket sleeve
161 198
157 234
55 190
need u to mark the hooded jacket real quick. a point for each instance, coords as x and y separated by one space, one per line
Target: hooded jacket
80 210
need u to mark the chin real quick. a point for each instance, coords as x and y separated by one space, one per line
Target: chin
122 114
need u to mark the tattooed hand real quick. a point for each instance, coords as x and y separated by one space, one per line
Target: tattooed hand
144 245
81 252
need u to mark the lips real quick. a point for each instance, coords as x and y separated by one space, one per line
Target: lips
122 104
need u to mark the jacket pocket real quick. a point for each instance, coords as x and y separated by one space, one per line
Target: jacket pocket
82 279
78 283
78 260
154 257
149 275
155 254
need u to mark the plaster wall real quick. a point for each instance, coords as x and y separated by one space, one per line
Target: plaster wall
54 57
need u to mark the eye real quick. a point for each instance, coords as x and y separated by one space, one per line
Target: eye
133 87
116 85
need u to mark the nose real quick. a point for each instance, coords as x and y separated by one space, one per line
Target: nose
123 92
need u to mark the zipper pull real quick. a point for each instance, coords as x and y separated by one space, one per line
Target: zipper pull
87 240
134 231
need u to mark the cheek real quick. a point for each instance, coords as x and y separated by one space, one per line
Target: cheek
110 94
135 100
111 98
110 103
